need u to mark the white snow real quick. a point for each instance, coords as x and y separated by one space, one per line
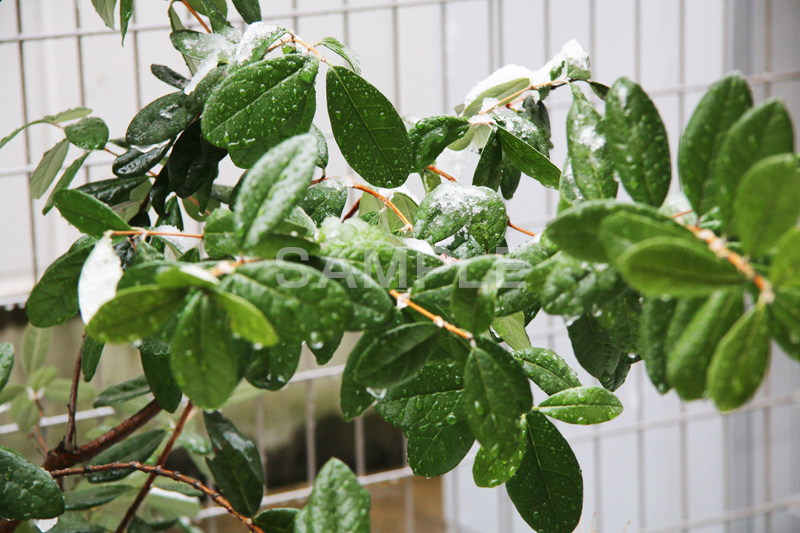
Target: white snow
253 36
99 277
180 244
206 66
420 246
500 76
46 524
588 136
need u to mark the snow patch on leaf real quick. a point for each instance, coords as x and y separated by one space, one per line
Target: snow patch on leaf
99 277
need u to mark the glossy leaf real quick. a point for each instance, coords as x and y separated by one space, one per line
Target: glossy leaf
192 162
27 491
657 313
337 503
430 136
395 355
327 199
203 362
368 130
721 106
123 392
85 499
547 369
6 363
88 214
243 487
511 329
135 163
496 394
48 167
591 165
637 143
528 159
169 76
89 134
689 358
279 520
135 313
260 105
623 229
64 182
761 132
595 349
489 170
161 120
547 489
785 270
274 186
342 51
767 203
250 10
245 319
125 13
270 368
582 405
138 448
489 470
353 397
105 8
155 357
740 361
671 266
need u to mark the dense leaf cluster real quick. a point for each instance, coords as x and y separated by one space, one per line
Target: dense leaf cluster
430 285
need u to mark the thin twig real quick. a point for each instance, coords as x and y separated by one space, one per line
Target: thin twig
194 13
151 478
159 471
353 210
70 438
521 230
507 99
441 173
405 299
158 233
386 201
678 215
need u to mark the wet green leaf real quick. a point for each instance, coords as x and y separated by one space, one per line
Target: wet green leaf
337 503
528 159
88 214
135 163
342 51
395 355
582 405
27 491
138 448
48 167
155 356
430 136
591 165
276 520
89 134
271 368
85 499
6 363
64 182
547 369
123 392
161 120
36 343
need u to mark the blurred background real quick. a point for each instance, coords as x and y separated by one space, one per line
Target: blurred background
662 466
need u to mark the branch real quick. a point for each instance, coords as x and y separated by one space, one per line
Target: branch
69 438
386 201
60 457
151 478
441 173
511 97
521 230
353 210
194 13
403 299
158 471
157 233
717 245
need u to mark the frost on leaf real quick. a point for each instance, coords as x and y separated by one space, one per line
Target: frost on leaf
99 277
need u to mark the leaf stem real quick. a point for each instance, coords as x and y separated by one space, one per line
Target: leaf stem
521 230
160 462
194 13
386 201
717 245
405 299
158 233
353 210
69 438
159 471
441 173
511 97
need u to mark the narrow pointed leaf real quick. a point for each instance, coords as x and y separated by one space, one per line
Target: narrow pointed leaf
88 214
64 182
48 167
160 121
547 369
36 343
582 405
85 499
528 159
138 448
123 392
342 51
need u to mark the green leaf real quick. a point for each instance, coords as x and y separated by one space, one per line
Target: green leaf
6 363
689 358
222 432
260 105
395 355
511 329
193 162
297 300
219 234
24 412
159 121
134 162
54 299
135 313
547 369
429 411
243 487
342 51
353 397
387 218
430 136
761 132
323 354
136 448
27 491
42 377
10 392
203 361
623 229
547 489
472 298
740 361
85 499
169 76
326 199
574 287
637 143
88 214
64 181
657 313
577 230
767 203
89 134
671 266
528 159
274 186
499 92
784 314
722 105
155 356
105 8
250 10
489 470
123 392
582 405
337 503
785 269
496 394
36 344
595 349
47 168
591 165
489 170
276 520
245 319
368 130
271 368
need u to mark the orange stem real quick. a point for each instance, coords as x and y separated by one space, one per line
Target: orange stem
386 201
404 298
521 230
194 13
441 173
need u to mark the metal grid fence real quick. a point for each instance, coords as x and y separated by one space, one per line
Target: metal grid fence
424 54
